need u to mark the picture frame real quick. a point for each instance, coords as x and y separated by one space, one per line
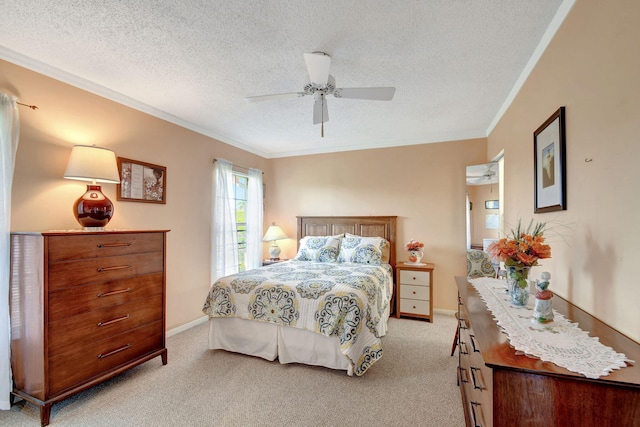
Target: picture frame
549 164
492 222
141 182
492 204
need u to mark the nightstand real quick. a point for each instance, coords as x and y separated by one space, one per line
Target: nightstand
414 290
269 261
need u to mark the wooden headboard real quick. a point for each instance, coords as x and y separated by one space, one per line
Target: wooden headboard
367 226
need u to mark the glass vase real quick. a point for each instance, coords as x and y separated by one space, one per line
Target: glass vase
518 284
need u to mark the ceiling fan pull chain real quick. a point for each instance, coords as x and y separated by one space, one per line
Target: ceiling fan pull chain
322 125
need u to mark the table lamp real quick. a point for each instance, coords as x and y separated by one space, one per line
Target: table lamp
93 210
274 233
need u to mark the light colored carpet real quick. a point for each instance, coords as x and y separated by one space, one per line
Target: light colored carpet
413 384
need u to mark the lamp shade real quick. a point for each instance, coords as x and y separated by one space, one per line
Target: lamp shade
91 163
274 233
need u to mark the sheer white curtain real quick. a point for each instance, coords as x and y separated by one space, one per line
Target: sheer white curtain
255 214
468 219
9 132
224 251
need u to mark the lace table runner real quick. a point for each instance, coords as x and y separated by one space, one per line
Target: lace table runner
561 341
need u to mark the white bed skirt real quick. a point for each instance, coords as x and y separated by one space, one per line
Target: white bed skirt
289 345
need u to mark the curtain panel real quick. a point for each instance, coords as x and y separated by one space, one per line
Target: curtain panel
224 251
9 135
255 215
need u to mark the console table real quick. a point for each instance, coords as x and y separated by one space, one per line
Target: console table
500 387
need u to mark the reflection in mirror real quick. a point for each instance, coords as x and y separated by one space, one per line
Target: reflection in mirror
483 201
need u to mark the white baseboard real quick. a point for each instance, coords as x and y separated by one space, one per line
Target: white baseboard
443 311
186 326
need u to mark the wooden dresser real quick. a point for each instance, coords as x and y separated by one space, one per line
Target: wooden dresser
502 388
85 306
414 290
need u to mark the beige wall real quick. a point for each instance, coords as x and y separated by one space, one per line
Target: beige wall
424 185
592 68
43 200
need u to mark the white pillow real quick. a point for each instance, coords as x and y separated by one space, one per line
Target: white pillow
362 250
318 248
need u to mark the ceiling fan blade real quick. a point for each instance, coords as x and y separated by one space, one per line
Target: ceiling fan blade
274 96
320 110
375 93
318 64
474 181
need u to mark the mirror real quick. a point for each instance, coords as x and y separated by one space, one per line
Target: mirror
484 207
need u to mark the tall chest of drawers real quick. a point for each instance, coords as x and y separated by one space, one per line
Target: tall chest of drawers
84 307
502 387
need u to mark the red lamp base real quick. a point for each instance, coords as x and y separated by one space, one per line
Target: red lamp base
93 209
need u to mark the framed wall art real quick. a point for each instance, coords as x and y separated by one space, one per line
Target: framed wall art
141 182
492 204
549 164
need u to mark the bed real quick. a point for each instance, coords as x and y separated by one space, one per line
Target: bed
313 310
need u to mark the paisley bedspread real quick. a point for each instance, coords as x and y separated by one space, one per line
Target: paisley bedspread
345 300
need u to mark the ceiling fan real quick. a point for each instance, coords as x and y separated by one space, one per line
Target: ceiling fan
482 174
322 84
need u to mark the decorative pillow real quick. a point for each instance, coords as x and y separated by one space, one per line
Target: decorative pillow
386 247
362 250
479 264
318 248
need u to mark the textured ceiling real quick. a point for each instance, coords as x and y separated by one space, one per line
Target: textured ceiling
455 64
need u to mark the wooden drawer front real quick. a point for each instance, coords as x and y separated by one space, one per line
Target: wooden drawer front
475 376
478 396
418 278
64 248
414 306
83 299
414 292
81 272
74 331
80 365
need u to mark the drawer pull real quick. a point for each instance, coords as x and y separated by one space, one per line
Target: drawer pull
115 267
117 319
108 294
112 245
463 323
475 405
474 380
473 343
112 352
463 347
463 375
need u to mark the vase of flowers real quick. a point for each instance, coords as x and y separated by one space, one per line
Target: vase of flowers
519 251
415 251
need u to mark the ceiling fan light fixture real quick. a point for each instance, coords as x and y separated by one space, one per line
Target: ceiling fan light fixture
322 84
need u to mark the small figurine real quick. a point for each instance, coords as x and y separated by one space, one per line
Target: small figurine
542 311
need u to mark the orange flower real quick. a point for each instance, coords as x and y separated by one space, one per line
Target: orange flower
524 247
414 245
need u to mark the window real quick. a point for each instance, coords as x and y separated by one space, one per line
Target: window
240 187
237 220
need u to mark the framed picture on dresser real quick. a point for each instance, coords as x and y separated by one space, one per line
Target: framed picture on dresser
549 164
